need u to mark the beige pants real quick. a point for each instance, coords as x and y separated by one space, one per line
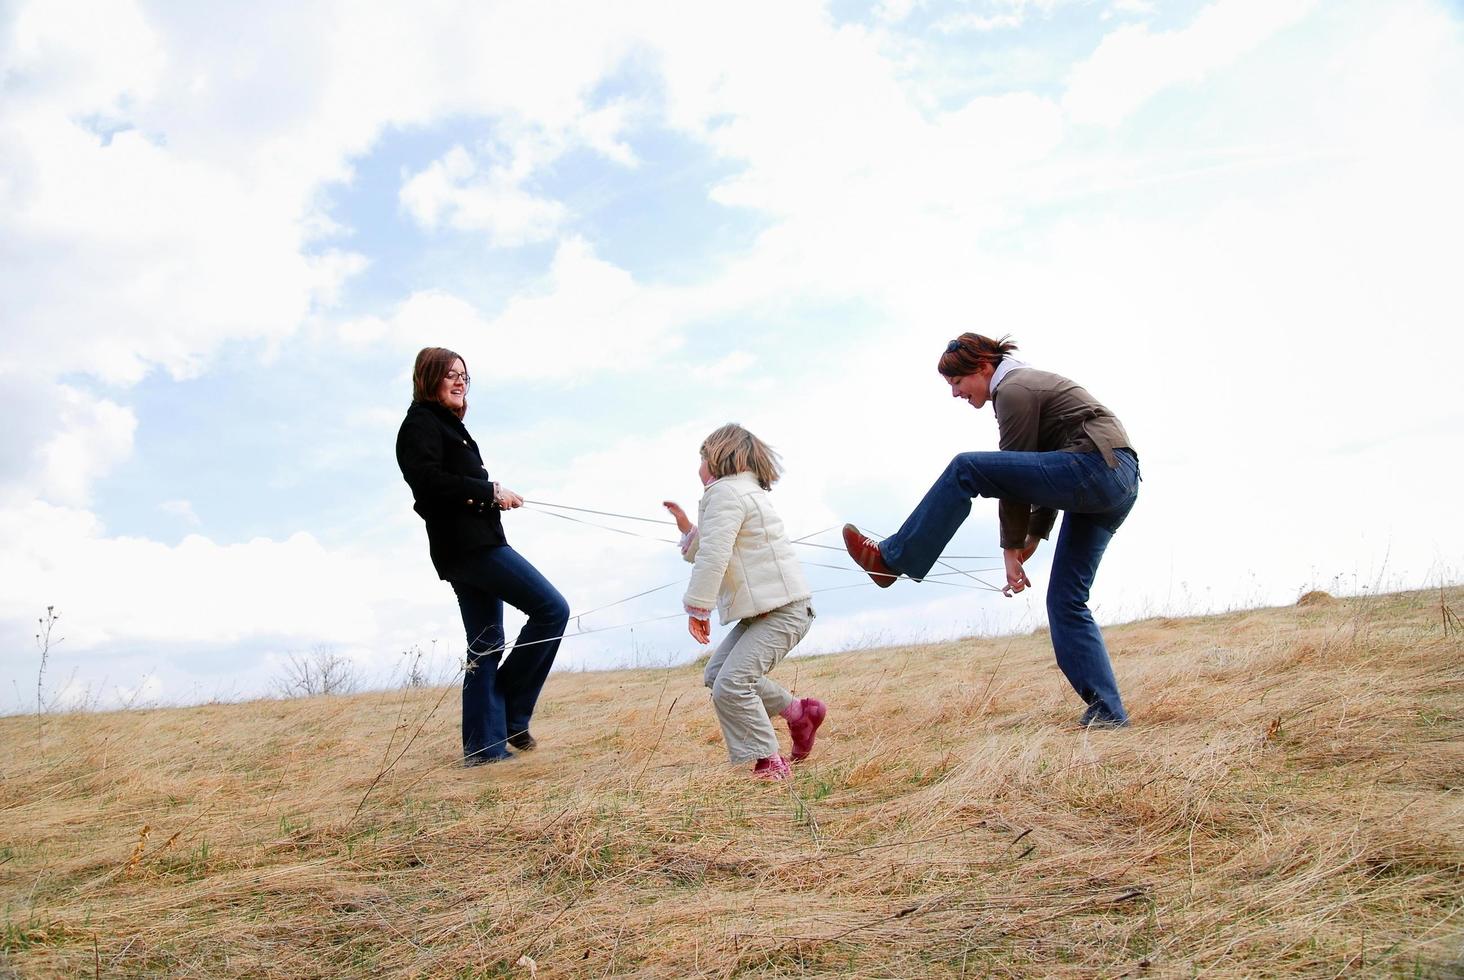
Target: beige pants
745 700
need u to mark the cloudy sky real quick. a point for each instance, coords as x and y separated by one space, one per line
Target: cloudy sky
226 231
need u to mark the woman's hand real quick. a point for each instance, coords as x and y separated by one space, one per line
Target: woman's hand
682 524
505 498
701 629
1030 548
1017 579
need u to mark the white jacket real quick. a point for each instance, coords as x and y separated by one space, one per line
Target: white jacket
742 560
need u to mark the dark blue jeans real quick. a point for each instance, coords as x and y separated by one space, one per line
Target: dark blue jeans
499 699
1094 499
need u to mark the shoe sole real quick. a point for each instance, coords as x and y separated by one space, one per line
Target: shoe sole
816 716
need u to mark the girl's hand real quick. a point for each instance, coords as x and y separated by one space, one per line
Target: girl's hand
701 629
505 498
682 524
1017 579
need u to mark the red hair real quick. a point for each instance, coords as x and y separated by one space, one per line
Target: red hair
969 351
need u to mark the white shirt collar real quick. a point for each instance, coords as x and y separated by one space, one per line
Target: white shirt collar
745 476
1007 365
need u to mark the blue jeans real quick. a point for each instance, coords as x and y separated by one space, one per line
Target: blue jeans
1095 500
498 699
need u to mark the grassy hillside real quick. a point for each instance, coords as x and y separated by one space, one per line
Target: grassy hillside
1288 802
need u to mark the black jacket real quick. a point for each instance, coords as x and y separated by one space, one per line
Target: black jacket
440 462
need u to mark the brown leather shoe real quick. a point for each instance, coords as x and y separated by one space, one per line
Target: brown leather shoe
866 555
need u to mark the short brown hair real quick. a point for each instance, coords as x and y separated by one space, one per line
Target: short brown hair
732 449
969 351
432 366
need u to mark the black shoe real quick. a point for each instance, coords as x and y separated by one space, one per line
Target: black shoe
1095 717
523 741
480 759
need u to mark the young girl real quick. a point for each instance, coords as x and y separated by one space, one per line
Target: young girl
743 564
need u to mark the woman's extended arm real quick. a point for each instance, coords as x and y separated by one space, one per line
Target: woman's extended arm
1018 417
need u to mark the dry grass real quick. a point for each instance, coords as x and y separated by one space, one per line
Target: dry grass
1288 802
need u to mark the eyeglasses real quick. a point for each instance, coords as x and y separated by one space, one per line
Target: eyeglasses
458 376
953 346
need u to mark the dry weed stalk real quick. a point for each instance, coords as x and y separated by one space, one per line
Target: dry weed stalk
137 850
1447 614
44 642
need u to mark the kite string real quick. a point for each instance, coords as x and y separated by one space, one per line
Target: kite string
578 618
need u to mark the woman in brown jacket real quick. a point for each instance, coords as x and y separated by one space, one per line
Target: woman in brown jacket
1060 450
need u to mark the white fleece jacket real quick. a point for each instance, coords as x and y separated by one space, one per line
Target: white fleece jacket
742 561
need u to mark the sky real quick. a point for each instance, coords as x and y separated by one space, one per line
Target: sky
226 232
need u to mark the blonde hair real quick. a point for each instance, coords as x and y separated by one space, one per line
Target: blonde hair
732 449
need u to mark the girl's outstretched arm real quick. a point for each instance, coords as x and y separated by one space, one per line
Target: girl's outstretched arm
689 536
721 518
683 523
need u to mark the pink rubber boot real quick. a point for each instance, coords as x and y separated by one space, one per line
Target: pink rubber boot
804 716
773 768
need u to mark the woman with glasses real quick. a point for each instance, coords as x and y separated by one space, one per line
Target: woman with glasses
462 509
1061 450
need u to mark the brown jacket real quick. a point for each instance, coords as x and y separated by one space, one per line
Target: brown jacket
1041 412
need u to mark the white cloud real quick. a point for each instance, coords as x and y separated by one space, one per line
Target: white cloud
1130 7
603 130
176 257
727 369
97 435
895 11
961 23
172 160
58 456
1132 64
92 60
991 15
122 590
362 331
585 316
181 509
452 190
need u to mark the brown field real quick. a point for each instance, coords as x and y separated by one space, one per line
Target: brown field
1287 803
